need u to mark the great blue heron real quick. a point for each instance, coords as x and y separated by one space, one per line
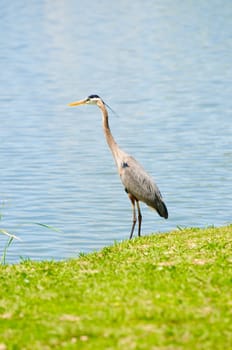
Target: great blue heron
137 183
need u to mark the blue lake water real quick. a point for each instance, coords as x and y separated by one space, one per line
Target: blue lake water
164 67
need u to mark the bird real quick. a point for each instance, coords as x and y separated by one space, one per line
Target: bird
137 183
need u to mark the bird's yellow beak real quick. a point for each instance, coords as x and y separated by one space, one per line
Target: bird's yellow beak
77 103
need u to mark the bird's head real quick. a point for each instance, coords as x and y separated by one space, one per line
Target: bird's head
90 100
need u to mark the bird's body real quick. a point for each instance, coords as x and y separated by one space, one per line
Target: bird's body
136 181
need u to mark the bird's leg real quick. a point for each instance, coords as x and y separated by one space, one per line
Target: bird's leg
134 214
139 218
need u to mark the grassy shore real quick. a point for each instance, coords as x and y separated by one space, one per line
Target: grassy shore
162 292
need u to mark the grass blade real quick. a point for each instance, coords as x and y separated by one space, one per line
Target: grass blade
52 228
4 232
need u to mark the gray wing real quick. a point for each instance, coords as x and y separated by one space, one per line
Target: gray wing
140 184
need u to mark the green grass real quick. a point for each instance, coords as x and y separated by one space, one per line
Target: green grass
161 292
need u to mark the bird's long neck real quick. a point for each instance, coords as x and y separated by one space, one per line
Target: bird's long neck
108 135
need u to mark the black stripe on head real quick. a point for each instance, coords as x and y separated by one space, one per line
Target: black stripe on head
93 96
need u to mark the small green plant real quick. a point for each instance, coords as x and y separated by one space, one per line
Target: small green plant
12 237
7 245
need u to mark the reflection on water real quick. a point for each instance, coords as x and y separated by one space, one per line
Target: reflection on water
164 67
